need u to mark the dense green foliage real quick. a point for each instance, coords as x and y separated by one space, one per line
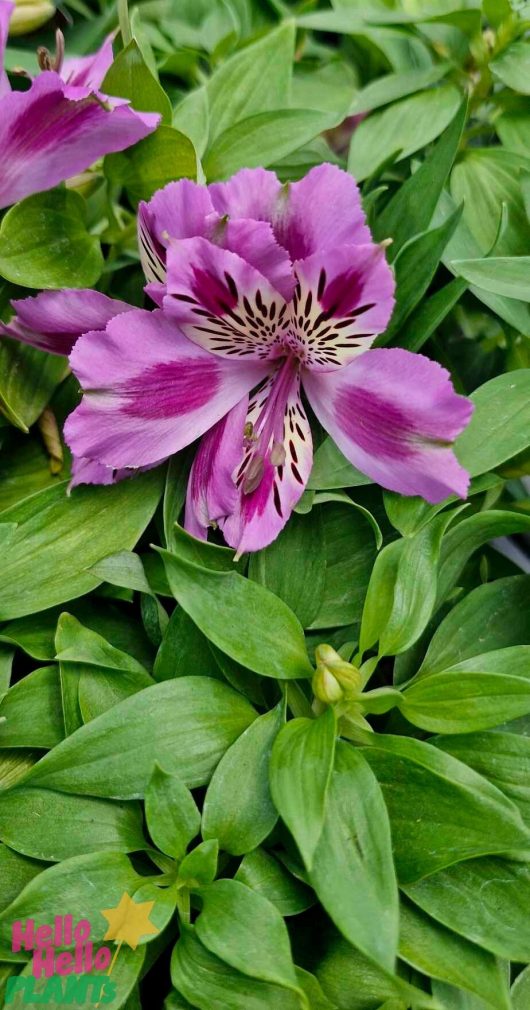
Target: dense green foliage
159 733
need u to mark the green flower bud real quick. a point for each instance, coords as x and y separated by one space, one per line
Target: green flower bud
325 687
347 675
28 16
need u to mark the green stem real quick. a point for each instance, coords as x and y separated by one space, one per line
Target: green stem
298 703
184 906
125 23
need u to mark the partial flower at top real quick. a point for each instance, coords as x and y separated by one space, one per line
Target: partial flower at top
265 292
61 124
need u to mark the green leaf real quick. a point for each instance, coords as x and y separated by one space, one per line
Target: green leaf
354 982
484 180
458 701
212 984
263 139
130 77
410 211
512 67
44 243
451 805
500 425
173 818
200 865
242 928
85 884
32 710
332 470
221 602
77 644
391 87
186 725
123 569
183 649
162 157
35 634
350 556
241 818
288 571
494 615
415 267
429 314
69 535
52 826
503 275
255 80
353 872
470 534
503 758
264 874
300 774
439 953
15 872
28 378
406 126
402 590
485 900
521 990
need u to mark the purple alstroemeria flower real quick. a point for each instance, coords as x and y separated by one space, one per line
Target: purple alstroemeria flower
265 290
61 124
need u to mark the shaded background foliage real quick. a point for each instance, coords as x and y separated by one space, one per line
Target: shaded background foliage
391 867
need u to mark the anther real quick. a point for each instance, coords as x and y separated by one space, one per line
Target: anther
253 475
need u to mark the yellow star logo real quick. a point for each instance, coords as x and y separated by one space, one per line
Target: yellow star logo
129 921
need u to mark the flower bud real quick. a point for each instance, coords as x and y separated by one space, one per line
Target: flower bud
325 687
28 16
347 675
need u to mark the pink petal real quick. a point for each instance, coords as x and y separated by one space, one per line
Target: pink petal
222 302
6 10
184 210
250 193
148 390
87 471
179 210
321 211
261 515
394 415
343 299
54 131
212 492
89 71
54 320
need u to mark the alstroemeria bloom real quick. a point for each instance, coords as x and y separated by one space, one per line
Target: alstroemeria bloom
267 290
59 127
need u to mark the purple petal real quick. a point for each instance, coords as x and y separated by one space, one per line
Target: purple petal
54 320
251 193
394 415
6 10
318 213
89 71
212 492
54 131
344 298
179 210
87 471
262 513
222 302
148 390
184 210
